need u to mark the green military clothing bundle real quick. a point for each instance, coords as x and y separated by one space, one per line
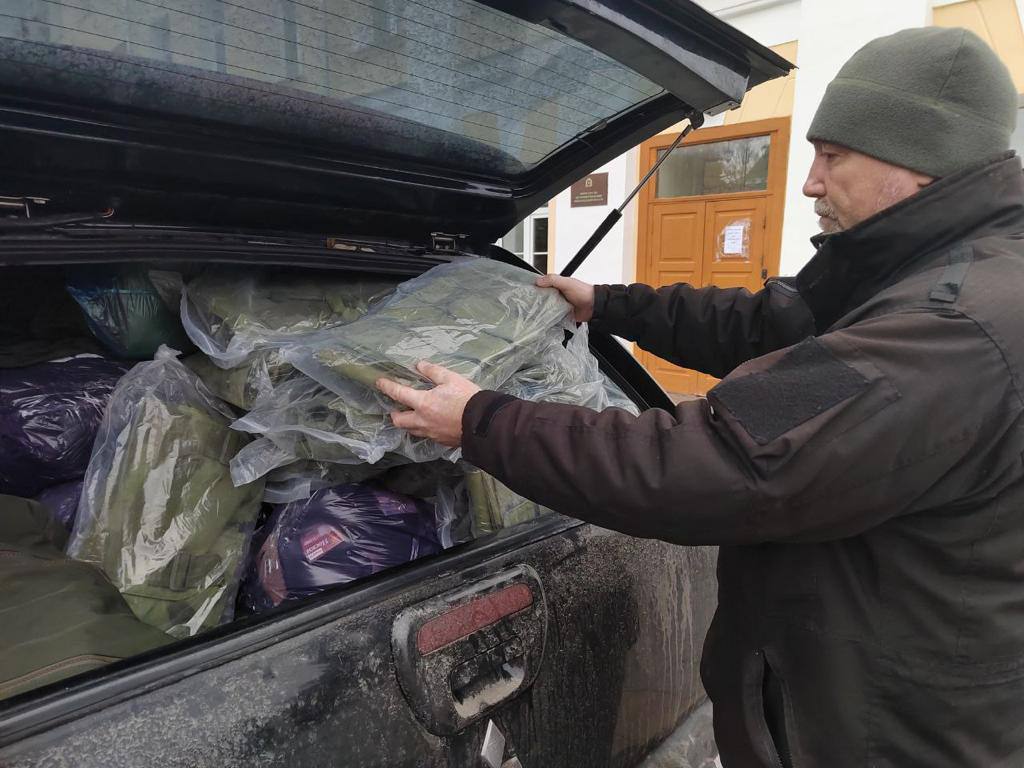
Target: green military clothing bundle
483 319
159 512
230 316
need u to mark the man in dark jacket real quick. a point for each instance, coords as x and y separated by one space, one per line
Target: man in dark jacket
862 462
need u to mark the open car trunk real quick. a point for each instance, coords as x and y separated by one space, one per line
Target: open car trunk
219 624
207 437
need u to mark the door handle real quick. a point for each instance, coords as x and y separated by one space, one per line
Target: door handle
463 653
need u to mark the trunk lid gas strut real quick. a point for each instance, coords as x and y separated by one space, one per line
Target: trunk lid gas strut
696 119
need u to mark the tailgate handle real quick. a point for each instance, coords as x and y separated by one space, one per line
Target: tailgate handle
462 653
472 616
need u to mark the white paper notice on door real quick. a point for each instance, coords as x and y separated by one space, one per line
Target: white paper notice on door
733 239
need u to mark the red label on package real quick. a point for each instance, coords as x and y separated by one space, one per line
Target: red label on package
271 576
320 541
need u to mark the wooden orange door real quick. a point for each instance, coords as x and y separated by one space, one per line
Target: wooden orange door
676 237
733 254
712 215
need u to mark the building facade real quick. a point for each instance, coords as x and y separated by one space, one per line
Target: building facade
726 208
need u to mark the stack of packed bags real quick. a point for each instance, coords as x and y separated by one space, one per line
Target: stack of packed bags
262 467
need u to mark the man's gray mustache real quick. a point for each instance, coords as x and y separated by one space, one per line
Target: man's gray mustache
825 210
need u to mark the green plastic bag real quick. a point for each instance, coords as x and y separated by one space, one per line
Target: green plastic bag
229 315
159 512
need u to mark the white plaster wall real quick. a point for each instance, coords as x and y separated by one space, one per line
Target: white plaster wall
830 32
770 23
573 226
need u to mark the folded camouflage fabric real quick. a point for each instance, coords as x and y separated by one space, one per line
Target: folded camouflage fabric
242 385
304 420
480 318
230 315
58 617
493 506
159 513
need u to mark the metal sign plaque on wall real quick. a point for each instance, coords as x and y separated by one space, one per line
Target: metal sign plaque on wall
592 189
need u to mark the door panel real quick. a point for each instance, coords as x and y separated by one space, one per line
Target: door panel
737 173
733 253
674 256
726 249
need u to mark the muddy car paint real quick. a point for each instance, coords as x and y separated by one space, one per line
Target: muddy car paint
318 685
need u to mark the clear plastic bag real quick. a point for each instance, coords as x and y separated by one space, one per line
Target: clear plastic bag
494 506
568 374
303 420
480 318
159 513
339 535
563 374
125 312
301 479
230 315
301 407
49 415
245 384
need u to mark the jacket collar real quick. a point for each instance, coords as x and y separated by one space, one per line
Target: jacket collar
853 265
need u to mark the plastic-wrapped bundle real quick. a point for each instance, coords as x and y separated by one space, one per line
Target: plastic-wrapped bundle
481 318
493 506
159 513
230 315
49 414
303 420
126 313
301 479
244 384
563 374
62 502
569 374
338 535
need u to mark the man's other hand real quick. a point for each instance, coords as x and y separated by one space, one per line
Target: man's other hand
576 292
436 413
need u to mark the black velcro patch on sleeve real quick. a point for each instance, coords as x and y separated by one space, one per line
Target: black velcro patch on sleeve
808 380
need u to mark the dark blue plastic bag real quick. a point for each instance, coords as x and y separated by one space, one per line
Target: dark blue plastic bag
127 314
49 415
338 535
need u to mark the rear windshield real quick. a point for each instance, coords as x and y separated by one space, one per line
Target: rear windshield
415 78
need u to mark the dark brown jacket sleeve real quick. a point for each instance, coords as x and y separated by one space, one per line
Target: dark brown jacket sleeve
711 330
820 441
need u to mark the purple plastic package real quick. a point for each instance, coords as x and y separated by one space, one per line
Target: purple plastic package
338 535
49 414
62 501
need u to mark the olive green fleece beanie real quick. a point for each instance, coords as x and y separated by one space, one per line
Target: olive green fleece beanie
932 100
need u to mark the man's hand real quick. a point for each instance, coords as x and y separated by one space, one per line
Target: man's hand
576 292
436 413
